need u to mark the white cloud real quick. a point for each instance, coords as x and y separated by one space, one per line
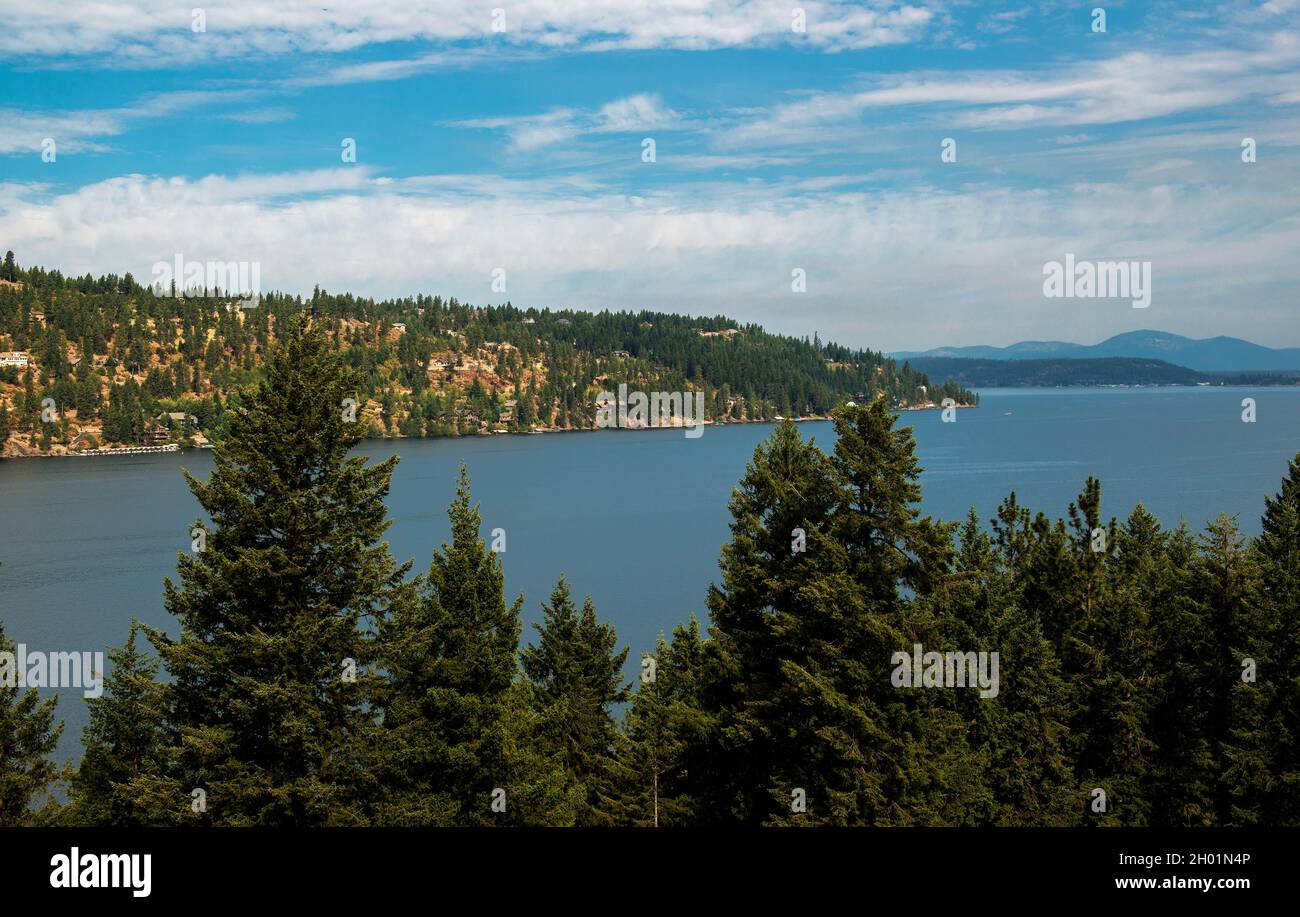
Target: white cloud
896 270
158 32
641 112
79 131
1134 86
260 116
72 131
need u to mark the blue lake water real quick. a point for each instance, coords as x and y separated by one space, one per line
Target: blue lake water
633 518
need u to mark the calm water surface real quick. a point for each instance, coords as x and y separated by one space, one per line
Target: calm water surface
633 518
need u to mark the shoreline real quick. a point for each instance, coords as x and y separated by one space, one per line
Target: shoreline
179 448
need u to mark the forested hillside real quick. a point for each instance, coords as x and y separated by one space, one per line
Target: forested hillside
1147 677
118 360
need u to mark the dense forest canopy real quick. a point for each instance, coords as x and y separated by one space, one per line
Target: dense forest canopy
1148 676
118 360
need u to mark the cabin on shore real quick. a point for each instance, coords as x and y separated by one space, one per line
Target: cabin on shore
177 417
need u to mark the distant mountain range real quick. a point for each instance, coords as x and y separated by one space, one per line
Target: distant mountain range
1219 354
1052 373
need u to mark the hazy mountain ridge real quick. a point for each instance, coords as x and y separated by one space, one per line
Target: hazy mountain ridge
1060 372
1217 354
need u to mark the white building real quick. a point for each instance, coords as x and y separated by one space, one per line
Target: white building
13 358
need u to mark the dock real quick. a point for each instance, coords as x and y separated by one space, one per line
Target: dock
130 450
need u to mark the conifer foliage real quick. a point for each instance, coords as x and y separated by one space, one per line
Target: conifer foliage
28 735
1147 676
268 714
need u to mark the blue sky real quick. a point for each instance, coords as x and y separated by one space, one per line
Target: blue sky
775 150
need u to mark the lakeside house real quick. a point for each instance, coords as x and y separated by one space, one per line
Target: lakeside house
159 430
177 417
13 358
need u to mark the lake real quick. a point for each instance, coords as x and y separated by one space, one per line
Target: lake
633 518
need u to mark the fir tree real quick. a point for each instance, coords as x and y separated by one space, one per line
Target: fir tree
269 708
1157 568
821 726
787 490
121 743
451 656
1225 585
1022 735
576 673
1278 550
1105 646
665 733
28 735
532 782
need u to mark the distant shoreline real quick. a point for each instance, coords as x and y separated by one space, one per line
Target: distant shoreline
140 450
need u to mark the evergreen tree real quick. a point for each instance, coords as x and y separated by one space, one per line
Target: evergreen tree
806 711
28 735
576 673
1225 585
665 732
786 490
121 743
1159 567
1107 652
1278 549
533 785
451 656
269 710
1022 735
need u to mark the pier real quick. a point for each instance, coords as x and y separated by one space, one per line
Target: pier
130 450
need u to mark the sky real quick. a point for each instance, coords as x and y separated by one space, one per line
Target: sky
511 141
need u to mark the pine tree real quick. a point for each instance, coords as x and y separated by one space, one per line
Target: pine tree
787 494
6 426
868 752
269 711
1278 551
1223 584
532 782
1107 652
452 661
28 735
1158 567
665 733
576 673
121 742
800 684
1022 735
